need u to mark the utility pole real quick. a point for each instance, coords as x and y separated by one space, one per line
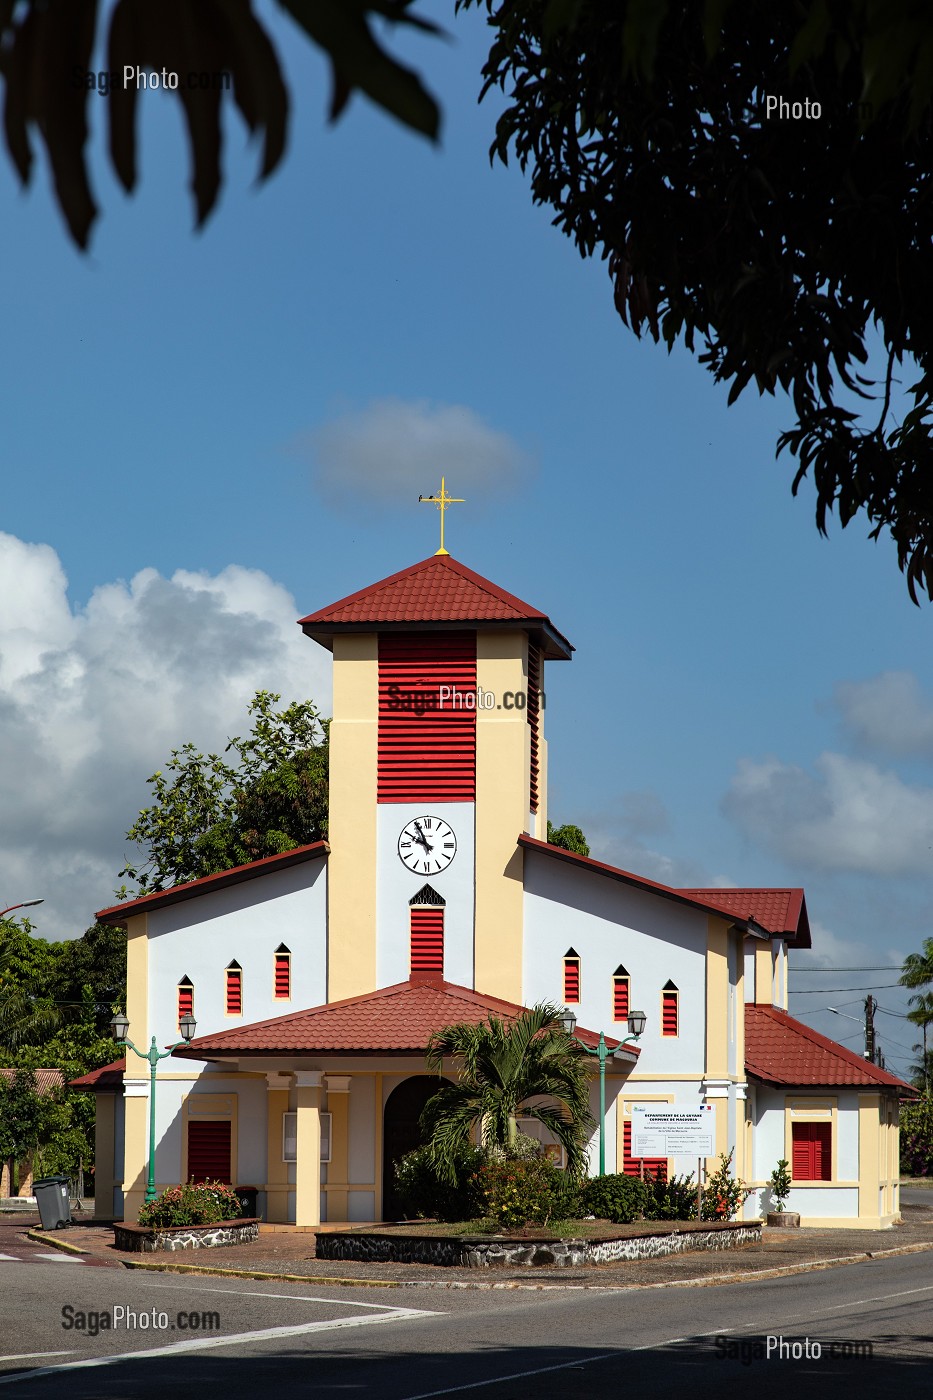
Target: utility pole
870 1005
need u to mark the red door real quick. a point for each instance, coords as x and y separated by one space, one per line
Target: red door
209 1151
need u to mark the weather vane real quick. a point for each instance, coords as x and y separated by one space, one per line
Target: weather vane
442 501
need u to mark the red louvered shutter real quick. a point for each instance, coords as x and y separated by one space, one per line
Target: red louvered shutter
632 1166
812 1152
283 976
209 1151
620 998
669 1012
571 979
431 755
234 991
427 940
185 1000
533 711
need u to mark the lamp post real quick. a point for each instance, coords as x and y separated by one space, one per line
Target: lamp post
636 1024
119 1028
24 904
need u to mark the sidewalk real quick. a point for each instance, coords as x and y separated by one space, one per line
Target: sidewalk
279 1254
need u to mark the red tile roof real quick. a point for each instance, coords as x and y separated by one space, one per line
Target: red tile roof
107 1077
698 899
781 1050
118 914
45 1080
393 1020
438 590
781 912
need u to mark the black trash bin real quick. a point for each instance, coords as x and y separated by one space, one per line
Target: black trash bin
247 1196
51 1194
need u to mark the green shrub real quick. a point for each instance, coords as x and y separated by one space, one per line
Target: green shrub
723 1194
425 1195
671 1200
780 1183
615 1197
200 1203
917 1138
516 1191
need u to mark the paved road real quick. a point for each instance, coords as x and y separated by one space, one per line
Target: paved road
414 1343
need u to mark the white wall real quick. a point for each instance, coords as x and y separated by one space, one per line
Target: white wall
608 923
396 885
198 937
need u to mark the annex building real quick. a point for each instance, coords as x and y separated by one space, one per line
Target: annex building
317 976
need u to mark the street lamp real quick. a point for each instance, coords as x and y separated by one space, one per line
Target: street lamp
636 1025
24 904
119 1029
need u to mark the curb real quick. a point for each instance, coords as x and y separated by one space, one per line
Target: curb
39 1238
712 1281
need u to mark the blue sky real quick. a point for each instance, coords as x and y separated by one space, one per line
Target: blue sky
208 435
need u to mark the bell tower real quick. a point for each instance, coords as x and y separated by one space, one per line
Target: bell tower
437 765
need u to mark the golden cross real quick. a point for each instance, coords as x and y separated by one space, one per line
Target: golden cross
442 502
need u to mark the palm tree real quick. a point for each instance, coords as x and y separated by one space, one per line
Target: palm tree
504 1064
918 967
922 1016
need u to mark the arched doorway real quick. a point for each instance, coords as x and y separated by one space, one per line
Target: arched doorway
401 1132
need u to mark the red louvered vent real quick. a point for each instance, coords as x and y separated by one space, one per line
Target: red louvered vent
185 1000
812 1151
427 940
669 998
427 743
283 975
620 996
533 711
234 991
634 1166
209 1151
571 978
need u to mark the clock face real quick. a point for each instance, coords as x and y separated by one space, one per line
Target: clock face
427 845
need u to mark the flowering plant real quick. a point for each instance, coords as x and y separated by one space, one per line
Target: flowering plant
195 1203
723 1193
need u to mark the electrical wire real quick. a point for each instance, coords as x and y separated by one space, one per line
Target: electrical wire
826 991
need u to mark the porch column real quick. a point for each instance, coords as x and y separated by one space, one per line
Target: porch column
308 1144
135 1146
104 1149
338 1104
277 1086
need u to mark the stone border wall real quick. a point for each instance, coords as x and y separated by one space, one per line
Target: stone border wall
146 1239
475 1252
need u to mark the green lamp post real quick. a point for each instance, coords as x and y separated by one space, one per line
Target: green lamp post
636 1024
119 1028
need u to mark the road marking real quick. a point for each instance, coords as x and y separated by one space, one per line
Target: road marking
55 1257
13 1258
879 1298
203 1343
34 1355
255 1293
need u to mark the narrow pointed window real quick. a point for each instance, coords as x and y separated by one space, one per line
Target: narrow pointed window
234 989
185 998
282 977
571 977
670 1010
621 987
427 940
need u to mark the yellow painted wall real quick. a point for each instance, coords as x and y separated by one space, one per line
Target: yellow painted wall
764 973
276 1168
308 1141
717 998
502 790
338 1104
136 1118
351 867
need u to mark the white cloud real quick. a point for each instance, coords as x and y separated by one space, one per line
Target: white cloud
93 699
392 451
888 714
850 815
617 835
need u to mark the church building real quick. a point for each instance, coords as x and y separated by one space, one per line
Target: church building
316 977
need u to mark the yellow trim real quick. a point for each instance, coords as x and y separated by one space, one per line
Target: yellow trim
764 975
623 1111
137 977
541 814
215 1108
740 1002
716 1062
277 1187
104 1145
869 1146
136 1110
351 872
802 1108
308 1155
377 1145
503 748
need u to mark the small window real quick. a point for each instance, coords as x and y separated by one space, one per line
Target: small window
621 986
282 978
812 1151
234 976
209 1150
290 1137
670 1010
185 998
427 939
571 977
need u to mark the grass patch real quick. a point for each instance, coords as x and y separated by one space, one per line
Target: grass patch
557 1230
